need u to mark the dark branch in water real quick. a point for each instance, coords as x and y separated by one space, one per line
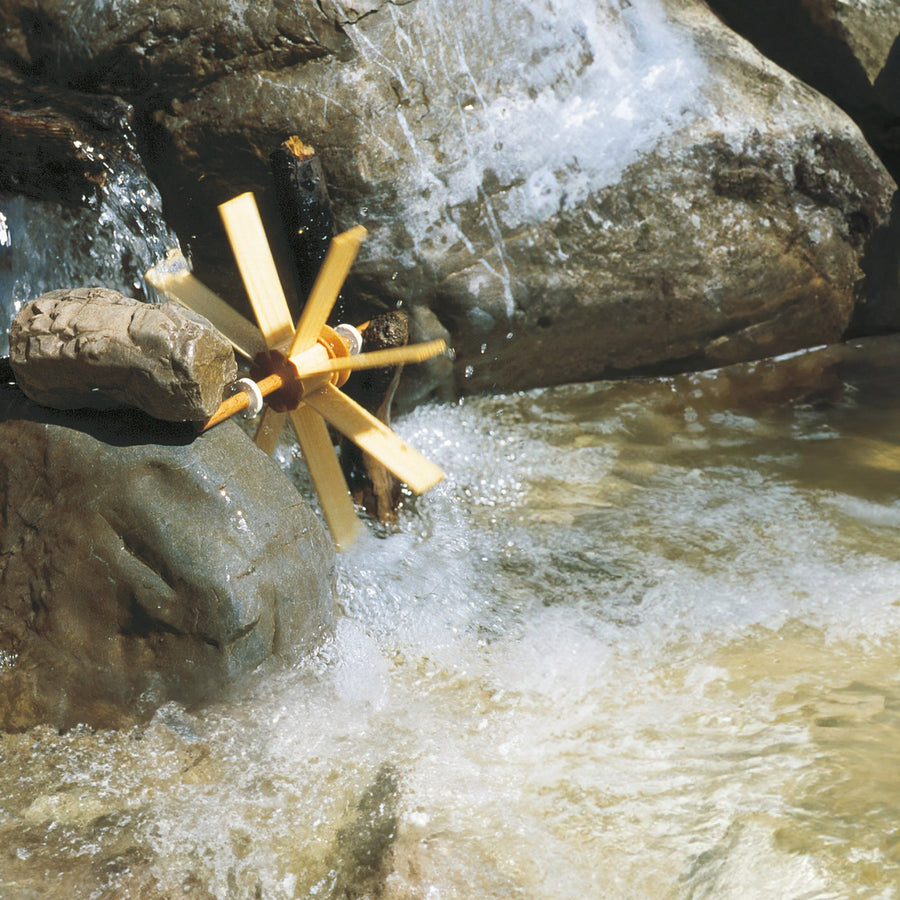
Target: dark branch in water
308 222
372 485
305 208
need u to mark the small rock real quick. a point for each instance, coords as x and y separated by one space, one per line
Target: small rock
93 348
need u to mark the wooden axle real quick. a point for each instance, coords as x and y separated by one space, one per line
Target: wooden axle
240 401
287 380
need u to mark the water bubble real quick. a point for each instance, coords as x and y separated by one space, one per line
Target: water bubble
470 371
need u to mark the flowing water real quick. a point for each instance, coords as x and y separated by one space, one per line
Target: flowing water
642 643
109 241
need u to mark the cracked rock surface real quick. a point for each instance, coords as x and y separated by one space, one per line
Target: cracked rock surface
139 564
93 348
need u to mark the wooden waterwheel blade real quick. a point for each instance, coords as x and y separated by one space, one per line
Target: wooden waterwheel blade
392 356
174 279
327 287
269 430
257 267
327 477
375 438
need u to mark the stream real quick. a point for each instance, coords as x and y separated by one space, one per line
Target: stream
641 643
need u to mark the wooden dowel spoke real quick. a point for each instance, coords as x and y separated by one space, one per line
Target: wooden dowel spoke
393 356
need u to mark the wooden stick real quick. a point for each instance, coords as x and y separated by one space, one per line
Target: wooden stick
301 193
328 285
377 358
231 406
393 356
326 475
373 486
254 258
375 438
173 278
270 427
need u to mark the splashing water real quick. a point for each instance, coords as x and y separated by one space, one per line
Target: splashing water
110 242
641 643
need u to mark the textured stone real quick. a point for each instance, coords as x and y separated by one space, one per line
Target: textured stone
571 191
572 194
93 348
140 45
139 564
850 51
870 29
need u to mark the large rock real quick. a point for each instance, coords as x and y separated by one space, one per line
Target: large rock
147 46
138 565
869 28
843 48
573 193
569 191
850 51
93 348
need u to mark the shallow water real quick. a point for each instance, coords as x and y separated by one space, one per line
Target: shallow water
642 642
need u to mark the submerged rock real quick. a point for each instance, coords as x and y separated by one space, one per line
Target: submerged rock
93 348
140 565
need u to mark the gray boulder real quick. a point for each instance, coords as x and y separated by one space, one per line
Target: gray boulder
139 46
850 51
139 564
571 194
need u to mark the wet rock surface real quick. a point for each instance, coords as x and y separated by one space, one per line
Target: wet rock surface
76 205
850 51
570 194
93 348
139 565
59 144
145 46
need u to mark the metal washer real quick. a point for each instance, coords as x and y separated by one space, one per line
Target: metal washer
254 396
352 335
